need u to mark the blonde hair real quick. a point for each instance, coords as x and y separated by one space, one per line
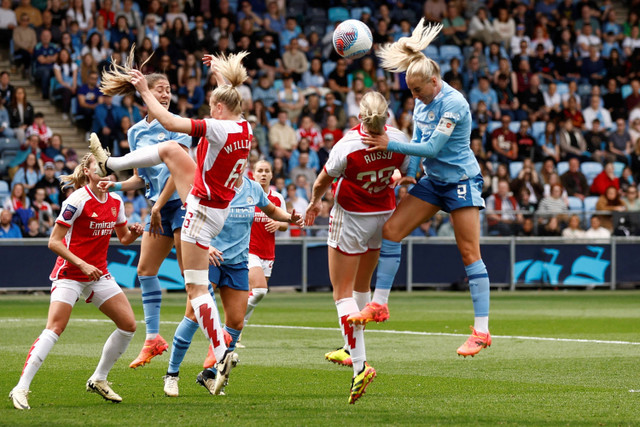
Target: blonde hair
117 81
234 72
374 112
77 178
406 54
255 166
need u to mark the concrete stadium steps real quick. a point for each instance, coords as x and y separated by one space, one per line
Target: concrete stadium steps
72 136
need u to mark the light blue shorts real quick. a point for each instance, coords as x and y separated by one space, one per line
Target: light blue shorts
450 196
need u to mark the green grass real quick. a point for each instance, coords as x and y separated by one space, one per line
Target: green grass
283 379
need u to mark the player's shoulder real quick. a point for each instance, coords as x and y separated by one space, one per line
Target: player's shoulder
396 134
116 197
79 197
273 194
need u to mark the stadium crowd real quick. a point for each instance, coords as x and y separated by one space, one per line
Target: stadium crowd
554 88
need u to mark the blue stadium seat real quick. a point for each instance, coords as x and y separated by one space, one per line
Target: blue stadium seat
327 68
575 204
537 129
562 88
625 90
538 166
432 52
4 189
4 166
590 170
562 167
618 167
9 144
444 68
449 51
338 14
590 207
514 169
493 125
514 127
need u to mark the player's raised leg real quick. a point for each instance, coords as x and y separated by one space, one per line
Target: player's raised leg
466 224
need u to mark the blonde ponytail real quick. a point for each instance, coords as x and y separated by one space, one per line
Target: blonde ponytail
406 54
374 112
234 72
117 81
77 178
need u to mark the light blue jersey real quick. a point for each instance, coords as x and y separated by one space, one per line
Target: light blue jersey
143 134
442 135
233 239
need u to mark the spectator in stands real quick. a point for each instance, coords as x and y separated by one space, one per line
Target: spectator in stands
631 201
8 20
572 142
310 131
267 57
472 73
6 88
190 68
46 54
106 119
548 168
572 113
620 142
597 231
481 27
585 40
505 26
528 148
294 60
566 67
549 143
40 128
333 108
597 143
528 178
24 44
303 169
266 93
313 81
47 24
532 100
574 181
593 70
35 15
626 180
120 31
41 208
194 95
8 230
338 81
630 43
65 71
501 173
97 49
304 147
501 212
51 185
289 98
552 228
17 199
29 173
484 92
454 27
293 197
33 229
553 101
131 214
282 137
140 205
632 101
5 124
573 230
507 101
88 99
78 13
604 180
504 142
609 201
613 100
554 206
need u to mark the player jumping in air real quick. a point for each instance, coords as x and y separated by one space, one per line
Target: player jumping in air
207 187
363 202
452 180
80 238
163 230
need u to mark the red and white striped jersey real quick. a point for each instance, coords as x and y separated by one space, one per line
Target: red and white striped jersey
90 222
263 243
221 155
364 176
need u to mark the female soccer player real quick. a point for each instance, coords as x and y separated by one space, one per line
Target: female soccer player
262 246
229 271
80 238
163 230
221 155
452 181
363 202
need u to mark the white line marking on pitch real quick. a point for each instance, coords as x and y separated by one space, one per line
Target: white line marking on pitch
379 331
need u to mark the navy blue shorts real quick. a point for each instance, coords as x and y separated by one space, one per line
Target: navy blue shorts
172 217
450 196
235 276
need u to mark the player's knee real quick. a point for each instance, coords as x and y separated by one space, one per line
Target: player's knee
128 325
56 329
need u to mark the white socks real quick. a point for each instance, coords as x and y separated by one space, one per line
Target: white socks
37 353
255 297
206 312
381 296
481 324
362 299
140 158
353 335
115 345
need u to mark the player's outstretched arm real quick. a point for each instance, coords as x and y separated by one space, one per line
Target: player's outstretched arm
320 187
166 119
57 245
132 183
427 148
279 214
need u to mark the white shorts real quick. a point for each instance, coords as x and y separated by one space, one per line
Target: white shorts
265 264
355 234
96 292
202 223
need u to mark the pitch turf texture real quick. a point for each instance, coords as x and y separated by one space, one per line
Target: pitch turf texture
558 358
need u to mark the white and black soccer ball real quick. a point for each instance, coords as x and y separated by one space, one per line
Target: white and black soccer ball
352 39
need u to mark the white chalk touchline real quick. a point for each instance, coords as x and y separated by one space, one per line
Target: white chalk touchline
375 331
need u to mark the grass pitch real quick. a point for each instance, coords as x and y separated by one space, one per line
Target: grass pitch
558 358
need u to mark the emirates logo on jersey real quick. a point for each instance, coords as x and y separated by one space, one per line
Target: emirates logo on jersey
114 212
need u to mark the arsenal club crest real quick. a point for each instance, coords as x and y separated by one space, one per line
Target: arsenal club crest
114 211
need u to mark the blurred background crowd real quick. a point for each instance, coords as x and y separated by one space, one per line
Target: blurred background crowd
553 85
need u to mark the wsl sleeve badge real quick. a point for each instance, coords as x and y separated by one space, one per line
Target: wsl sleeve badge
69 212
352 39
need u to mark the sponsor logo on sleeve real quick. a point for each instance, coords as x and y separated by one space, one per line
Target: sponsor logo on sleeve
453 116
446 126
68 212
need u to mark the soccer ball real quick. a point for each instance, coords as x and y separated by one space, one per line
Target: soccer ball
352 39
